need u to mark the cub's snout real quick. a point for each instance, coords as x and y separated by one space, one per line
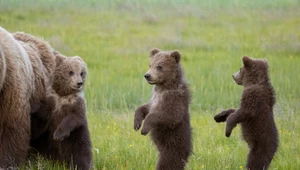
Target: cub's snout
147 76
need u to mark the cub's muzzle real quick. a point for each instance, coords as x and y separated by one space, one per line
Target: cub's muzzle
147 76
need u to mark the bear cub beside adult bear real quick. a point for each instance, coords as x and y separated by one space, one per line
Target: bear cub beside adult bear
166 115
255 113
66 137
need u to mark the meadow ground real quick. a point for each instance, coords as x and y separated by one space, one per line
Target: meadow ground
115 37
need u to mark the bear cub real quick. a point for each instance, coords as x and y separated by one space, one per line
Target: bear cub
66 137
166 115
255 113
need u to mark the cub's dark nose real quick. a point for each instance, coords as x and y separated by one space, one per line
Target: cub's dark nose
79 84
147 76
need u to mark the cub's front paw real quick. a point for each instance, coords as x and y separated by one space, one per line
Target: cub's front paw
222 117
60 135
145 131
229 127
137 125
228 133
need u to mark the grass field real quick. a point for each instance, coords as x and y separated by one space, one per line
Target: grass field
115 37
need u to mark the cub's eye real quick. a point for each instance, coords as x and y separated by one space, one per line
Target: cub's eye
71 73
81 74
159 67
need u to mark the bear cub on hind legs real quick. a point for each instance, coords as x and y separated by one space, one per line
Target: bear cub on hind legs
66 137
255 113
166 115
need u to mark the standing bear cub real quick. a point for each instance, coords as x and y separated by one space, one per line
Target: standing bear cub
255 113
66 136
166 115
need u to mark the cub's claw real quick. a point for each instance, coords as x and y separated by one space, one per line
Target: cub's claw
137 126
60 136
144 132
228 133
221 117
229 128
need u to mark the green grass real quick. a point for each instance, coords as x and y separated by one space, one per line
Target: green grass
115 37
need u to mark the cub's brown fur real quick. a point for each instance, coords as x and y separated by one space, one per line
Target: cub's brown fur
166 115
24 72
255 113
66 137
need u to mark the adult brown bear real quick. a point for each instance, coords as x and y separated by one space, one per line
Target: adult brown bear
24 76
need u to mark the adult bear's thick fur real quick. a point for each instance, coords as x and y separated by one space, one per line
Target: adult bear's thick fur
25 70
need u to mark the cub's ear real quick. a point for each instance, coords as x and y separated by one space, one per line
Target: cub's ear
78 58
59 58
154 51
176 55
247 61
84 65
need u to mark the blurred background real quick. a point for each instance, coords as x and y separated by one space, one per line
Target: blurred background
115 38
